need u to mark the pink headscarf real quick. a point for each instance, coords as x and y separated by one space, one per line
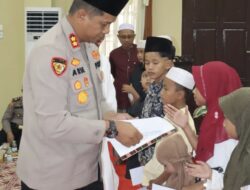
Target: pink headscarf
214 80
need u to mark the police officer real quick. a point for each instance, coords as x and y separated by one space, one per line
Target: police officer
65 116
13 119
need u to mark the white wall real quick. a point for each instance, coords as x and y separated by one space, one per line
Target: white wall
167 20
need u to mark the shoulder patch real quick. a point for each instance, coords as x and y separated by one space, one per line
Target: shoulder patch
58 65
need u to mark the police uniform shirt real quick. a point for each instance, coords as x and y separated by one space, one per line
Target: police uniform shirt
63 107
13 114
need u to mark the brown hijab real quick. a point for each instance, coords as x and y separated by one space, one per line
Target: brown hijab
174 150
236 107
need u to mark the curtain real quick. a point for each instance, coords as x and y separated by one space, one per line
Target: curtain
133 13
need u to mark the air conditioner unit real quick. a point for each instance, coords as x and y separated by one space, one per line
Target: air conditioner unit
37 22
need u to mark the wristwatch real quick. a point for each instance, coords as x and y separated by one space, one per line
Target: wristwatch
112 131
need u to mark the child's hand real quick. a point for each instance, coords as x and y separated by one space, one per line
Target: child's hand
127 88
200 169
176 115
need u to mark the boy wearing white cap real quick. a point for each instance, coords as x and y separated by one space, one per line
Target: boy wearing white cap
177 86
123 61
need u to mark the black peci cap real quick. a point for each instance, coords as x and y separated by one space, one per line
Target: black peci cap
112 7
158 44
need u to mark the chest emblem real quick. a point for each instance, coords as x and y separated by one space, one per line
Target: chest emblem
58 65
74 41
95 54
83 97
78 85
86 81
75 62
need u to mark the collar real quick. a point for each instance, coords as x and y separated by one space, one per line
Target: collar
72 39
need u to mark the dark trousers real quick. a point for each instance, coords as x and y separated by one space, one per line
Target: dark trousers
93 186
3 137
17 133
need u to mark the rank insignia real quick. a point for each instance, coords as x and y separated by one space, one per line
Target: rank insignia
78 85
59 65
75 62
86 81
73 40
95 54
83 97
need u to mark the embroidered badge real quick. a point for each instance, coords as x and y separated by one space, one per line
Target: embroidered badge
95 54
75 62
83 97
59 65
78 85
73 40
86 81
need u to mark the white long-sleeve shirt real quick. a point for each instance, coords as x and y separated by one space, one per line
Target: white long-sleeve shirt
107 85
222 154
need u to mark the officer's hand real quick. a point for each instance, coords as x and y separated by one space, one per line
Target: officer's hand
10 137
128 135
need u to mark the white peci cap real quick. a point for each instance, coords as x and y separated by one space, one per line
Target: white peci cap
126 26
181 76
141 44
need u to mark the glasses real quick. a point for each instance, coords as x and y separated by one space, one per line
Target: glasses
126 36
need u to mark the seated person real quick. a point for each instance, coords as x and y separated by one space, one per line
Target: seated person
173 154
177 86
13 119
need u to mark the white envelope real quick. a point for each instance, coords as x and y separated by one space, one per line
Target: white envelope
158 187
136 175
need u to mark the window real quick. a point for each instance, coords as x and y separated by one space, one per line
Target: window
133 13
